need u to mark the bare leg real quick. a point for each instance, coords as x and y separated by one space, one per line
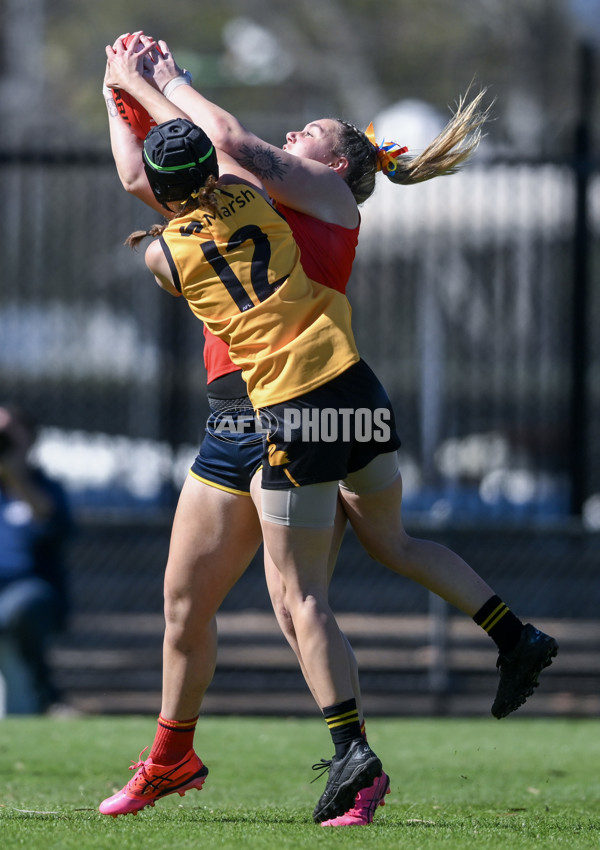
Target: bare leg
276 592
215 536
301 556
377 522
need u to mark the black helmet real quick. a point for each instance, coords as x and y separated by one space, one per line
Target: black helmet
178 158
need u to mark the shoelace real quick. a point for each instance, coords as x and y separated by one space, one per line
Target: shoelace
324 765
140 763
140 780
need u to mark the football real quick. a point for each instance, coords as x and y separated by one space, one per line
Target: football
131 111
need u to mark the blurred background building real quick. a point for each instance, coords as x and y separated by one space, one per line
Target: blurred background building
476 299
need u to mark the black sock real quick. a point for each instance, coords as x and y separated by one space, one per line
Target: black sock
344 725
500 623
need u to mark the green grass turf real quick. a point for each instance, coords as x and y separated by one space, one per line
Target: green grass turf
456 784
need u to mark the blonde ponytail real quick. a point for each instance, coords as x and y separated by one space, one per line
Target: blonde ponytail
447 152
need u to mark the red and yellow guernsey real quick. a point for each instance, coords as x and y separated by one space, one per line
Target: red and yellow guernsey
241 274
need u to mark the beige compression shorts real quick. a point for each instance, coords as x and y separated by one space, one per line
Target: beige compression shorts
314 505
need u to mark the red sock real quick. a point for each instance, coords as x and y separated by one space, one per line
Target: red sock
174 738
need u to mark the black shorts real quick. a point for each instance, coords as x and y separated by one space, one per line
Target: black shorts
328 433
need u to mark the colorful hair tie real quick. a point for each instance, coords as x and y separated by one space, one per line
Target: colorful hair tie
387 152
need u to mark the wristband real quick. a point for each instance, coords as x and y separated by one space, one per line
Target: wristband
184 79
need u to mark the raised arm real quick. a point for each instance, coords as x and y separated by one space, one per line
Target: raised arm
125 145
316 188
126 69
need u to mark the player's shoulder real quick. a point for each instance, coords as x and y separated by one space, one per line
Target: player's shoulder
244 180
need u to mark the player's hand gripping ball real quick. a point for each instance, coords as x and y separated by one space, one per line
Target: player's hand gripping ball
132 112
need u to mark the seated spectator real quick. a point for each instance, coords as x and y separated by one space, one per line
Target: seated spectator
35 523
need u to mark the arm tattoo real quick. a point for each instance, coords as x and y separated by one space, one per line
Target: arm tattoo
112 107
262 161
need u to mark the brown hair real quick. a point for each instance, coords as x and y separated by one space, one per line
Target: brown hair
206 199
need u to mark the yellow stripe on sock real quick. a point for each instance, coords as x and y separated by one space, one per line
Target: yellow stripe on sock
497 620
487 623
342 723
177 724
342 719
350 712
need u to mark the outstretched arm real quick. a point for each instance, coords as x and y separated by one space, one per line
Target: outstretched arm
304 184
126 69
125 145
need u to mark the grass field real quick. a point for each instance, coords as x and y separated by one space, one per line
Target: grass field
456 784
